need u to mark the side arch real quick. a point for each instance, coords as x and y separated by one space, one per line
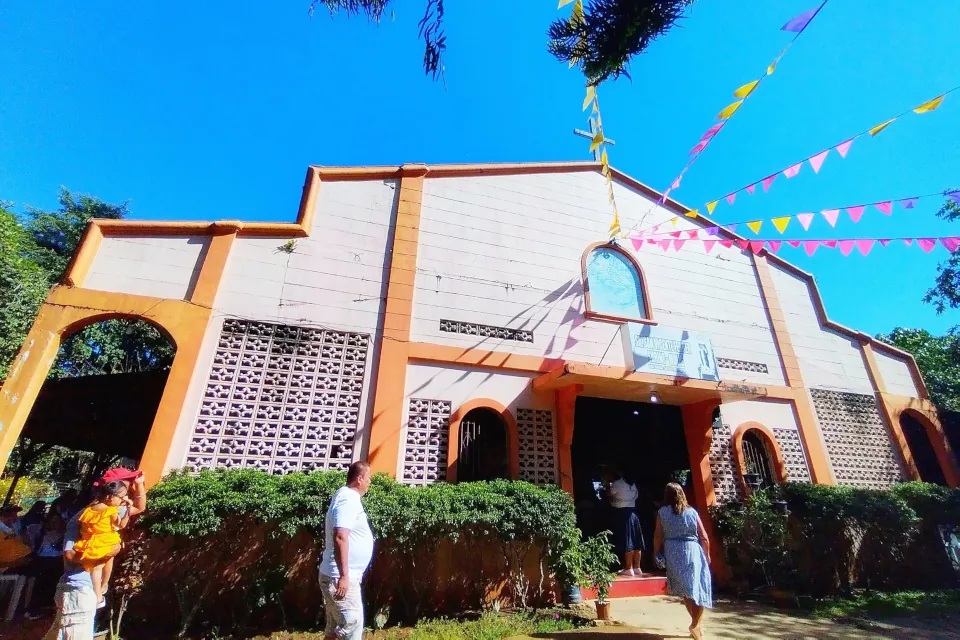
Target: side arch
453 439
773 448
646 317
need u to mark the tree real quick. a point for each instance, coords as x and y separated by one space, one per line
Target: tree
600 37
946 292
938 358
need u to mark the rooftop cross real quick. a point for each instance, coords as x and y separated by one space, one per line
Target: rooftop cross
590 134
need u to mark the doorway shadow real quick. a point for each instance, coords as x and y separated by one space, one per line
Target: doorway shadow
613 633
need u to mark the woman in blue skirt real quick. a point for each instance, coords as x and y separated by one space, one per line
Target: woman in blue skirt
681 541
627 534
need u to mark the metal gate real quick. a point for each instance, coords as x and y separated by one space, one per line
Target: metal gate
758 459
482 447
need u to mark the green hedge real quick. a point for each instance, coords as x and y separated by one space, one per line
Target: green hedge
495 533
834 539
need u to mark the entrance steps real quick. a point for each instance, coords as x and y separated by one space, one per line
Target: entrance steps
632 587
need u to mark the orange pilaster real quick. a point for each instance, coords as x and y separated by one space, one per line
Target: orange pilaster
566 404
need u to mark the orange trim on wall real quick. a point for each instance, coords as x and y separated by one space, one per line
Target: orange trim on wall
698 433
387 422
204 291
924 411
590 313
83 256
773 447
870 363
565 401
453 440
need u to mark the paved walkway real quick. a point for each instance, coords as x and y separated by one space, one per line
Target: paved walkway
662 617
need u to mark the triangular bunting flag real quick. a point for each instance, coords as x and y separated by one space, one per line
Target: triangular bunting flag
800 22
768 181
673 221
745 90
729 110
831 216
884 242
908 241
773 245
781 223
864 246
880 127
708 245
805 219
830 244
954 195
794 243
772 68
843 147
563 3
711 206
605 163
756 246
615 226
856 212
700 146
712 131
908 203
884 207
675 185
810 246
674 234
817 161
731 197
664 244
692 233
755 225
726 243
636 242
712 231
730 227
751 189
846 246
610 197
950 244
590 97
678 244
927 244
743 244
596 142
927 107
789 172
693 213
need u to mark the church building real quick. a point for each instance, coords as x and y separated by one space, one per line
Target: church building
469 322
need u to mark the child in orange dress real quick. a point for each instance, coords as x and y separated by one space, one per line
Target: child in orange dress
99 543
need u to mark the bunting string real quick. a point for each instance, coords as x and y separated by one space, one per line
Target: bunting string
797 25
846 246
804 219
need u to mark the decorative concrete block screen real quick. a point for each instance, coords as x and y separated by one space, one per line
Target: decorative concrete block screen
725 484
793 455
281 398
428 432
858 443
537 452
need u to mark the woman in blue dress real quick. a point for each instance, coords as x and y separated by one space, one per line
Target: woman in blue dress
681 540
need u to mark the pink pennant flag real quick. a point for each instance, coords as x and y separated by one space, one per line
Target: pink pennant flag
773 245
651 241
884 242
708 245
768 181
726 244
654 229
864 246
810 246
743 244
950 244
927 244
908 203
674 234
846 246
664 244
794 243
843 147
908 241
712 131
692 233
756 246
698 148
831 215
792 171
830 244
856 212
817 161
805 219
884 207
675 185
732 197
752 188
637 243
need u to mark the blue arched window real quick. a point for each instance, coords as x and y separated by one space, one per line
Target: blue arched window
614 285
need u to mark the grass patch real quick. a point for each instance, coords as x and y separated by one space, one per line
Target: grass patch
876 604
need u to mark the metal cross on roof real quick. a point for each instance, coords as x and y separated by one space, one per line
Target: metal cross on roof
589 136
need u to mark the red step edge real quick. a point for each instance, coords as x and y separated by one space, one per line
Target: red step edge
632 588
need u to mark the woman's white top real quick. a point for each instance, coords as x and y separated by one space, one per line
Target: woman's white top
622 494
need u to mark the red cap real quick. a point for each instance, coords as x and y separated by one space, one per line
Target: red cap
118 474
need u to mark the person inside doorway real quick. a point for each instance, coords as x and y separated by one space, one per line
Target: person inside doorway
627 534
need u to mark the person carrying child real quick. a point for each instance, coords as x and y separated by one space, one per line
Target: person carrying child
100 525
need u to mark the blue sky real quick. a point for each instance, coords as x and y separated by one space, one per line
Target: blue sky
214 110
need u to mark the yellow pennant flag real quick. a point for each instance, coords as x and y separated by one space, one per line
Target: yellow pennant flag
779 223
604 163
880 127
711 206
927 107
615 225
771 68
729 110
673 221
609 176
755 225
692 214
746 89
596 142
610 197
591 96
576 16
563 3
596 108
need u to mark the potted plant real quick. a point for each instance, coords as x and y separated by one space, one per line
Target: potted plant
598 556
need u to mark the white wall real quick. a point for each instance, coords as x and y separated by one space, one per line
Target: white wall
770 413
896 374
828 359
148 266
506 251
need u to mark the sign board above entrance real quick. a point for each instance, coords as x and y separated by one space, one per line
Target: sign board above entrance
668 352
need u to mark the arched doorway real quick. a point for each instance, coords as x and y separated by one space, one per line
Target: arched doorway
483 449
757 458
924 455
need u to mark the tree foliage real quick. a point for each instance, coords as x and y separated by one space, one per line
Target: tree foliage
938 358
946 292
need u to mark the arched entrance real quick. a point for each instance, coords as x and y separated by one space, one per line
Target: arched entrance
483 450
757 458
924 455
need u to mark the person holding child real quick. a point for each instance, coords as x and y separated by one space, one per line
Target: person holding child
99 542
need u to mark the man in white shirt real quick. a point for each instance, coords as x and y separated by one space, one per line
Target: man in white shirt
347 550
